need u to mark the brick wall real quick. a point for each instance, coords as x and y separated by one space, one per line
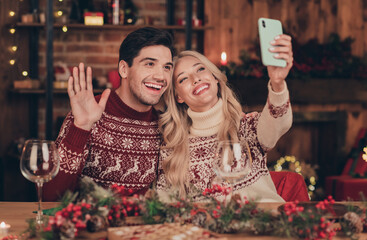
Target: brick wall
97 48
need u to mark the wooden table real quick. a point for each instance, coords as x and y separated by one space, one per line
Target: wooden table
16 213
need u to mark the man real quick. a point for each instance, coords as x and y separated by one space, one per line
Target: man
113 138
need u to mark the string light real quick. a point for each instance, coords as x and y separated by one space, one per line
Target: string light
64 28
13 48
59 13
364 155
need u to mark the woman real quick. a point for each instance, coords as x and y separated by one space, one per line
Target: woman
202 110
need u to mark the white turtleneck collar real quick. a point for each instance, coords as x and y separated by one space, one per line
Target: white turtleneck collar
205 124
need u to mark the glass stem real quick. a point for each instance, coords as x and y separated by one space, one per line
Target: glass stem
39 218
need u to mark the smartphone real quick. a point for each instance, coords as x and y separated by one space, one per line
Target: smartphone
268 30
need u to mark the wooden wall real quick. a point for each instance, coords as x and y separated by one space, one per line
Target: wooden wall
235 22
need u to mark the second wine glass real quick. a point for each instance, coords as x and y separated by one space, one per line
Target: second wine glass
39 163
232 162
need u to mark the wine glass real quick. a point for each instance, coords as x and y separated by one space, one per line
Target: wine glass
39 163
232 163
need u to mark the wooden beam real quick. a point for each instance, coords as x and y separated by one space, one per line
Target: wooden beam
50 69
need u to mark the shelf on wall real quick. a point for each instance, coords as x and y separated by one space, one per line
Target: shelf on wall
43 91
112 27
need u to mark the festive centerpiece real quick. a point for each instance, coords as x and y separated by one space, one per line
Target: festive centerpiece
94 209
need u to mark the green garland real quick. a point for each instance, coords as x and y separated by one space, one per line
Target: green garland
94 209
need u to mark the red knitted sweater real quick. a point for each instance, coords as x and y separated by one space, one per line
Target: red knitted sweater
122 148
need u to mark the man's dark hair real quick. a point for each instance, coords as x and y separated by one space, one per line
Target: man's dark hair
144 37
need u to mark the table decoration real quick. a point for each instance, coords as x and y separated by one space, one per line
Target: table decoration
166 231
94 209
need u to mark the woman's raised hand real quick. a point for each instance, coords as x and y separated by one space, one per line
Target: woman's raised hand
283 47
86 110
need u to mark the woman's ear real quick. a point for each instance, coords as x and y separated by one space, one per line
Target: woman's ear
123 69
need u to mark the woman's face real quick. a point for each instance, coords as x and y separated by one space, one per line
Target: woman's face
195 85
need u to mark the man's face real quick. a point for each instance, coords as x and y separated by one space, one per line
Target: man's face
148 77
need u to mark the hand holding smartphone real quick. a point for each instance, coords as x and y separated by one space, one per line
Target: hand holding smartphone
268 30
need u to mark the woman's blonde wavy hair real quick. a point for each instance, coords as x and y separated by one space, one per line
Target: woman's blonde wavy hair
174 124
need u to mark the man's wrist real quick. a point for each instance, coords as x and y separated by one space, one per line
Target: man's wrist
86 127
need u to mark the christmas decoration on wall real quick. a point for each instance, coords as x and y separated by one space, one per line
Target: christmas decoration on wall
19 72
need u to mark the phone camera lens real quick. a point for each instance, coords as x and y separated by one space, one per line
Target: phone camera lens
263 22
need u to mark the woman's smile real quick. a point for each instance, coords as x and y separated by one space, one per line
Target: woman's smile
201 88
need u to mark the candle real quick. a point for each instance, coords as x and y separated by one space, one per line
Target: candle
4 229
223 59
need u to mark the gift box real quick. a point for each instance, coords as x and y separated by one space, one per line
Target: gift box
93 18
27 83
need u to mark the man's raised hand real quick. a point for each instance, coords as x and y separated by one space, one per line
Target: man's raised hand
85 108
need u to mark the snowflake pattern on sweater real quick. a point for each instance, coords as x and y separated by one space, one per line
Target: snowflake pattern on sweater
121 151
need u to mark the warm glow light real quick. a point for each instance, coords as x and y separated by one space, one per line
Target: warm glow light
59 13
25 73
364 156
12 30
129 20
64 28
60 0
223 59
11 13
12 61
14 48
313 180
2 225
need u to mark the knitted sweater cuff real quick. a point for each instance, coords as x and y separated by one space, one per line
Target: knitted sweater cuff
278 98
77 137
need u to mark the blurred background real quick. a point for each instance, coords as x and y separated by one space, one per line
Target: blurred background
41 40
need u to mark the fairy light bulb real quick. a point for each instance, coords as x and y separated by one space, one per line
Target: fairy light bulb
14 48
313 180
64 28
25 73
364 156
12 30
59 13
12 61
11 13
